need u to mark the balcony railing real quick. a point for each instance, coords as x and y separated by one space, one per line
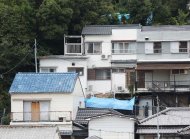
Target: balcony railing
44 116
165 86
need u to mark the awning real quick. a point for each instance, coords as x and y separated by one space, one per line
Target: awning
164 66
123 63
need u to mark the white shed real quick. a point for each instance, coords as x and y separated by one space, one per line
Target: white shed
112 126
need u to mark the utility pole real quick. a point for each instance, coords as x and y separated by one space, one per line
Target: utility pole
158 134
35 54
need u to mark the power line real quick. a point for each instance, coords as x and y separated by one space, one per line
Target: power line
1 75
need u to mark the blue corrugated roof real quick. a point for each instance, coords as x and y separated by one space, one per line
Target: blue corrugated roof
43 83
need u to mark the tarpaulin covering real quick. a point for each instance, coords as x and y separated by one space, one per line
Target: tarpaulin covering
110 103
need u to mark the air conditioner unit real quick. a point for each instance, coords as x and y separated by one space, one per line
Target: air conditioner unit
104 57
62 119
120 88
90 87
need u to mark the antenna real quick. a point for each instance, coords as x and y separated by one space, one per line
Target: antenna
35 54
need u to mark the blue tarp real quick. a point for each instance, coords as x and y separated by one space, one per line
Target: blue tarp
110 103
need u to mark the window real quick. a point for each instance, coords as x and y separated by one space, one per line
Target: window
99 74
118 70
93 47
183 47
121 48
179 71
36 110
179 47
153 48
73 48
80 71
157 47
47 69
103 74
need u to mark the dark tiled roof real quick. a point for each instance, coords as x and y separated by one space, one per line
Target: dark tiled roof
166 28
170 116
185 131
93 137
105 29
43 83
162 130
84 113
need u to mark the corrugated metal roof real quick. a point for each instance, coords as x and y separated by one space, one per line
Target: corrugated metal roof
43 83
84 113
166 28
162 130
170 116
105 29
28 132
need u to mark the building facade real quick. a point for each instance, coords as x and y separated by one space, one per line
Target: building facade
46 99
122 59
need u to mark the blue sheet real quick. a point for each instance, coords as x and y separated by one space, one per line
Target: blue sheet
111 103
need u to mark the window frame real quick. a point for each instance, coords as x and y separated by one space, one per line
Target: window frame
49 69
92 74
76 68
87 45
124 46
181 50
157 50
73 45
179 71
102 70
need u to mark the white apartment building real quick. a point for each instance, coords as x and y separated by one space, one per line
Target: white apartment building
104 57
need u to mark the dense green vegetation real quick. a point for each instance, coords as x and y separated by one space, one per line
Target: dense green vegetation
21 21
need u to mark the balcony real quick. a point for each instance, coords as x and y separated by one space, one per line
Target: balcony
163 86
45 117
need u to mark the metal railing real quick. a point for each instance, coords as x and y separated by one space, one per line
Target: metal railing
43 116
165 86
73 48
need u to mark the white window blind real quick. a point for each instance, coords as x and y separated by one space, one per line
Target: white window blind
44 110
27 111
149 48
174 47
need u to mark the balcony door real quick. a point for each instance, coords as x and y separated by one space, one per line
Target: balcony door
35 111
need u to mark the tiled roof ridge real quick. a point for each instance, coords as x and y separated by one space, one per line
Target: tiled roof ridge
164 111
184 129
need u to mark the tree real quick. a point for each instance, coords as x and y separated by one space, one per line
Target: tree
16 37
139 11
86 12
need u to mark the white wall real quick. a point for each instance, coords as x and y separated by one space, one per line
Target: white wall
111 127
63 64
118 79
78 98
61 104
100 86
117 34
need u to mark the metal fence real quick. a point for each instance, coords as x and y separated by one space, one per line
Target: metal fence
43 116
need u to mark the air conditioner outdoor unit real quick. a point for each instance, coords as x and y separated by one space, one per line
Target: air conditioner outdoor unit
62 119
104 57
120 88
90 87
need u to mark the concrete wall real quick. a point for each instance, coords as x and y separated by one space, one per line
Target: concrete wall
62 65
112 127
